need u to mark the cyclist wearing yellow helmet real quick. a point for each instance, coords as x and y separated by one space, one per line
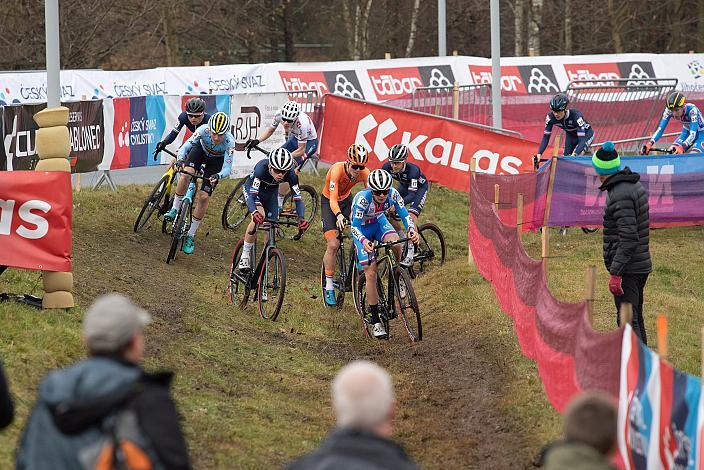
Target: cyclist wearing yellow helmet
692 136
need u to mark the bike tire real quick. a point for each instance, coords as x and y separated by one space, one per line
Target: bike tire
407 304
590 229
151 203
235 210
431 250
238 284
311 202
272 277
179 227
361 303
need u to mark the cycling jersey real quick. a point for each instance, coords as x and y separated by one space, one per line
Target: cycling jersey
302 128
692 127
261 186
338 184
579 131
413 186
225 149
183 121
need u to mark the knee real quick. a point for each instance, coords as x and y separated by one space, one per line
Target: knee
333 245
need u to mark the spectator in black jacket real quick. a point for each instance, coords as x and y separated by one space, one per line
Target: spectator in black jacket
7 411
626 233
363 399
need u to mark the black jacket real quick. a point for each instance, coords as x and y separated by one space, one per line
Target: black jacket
6 409
626 224
352 449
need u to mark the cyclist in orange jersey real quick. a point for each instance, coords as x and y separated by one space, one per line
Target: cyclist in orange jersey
336 203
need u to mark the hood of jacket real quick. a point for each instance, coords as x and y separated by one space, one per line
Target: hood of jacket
623 176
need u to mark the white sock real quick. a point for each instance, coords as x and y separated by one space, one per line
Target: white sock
328 283
411 249
281 200
194 226
247 250
177 202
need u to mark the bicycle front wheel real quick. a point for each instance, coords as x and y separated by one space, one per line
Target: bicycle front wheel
310 201
272 285
178 230
407 304
430 252
235 210
152 203
238 282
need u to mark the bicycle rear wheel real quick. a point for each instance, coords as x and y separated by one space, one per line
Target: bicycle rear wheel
362 305
235 210
238 283
179 229
288 209
407 304
151 203
430 252
272 285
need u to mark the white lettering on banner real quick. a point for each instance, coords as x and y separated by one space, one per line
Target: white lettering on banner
366 124
388 85
660 196
142 129
508 82
446 146
296 84
85 138
19 143
26 215
584 74
236 83
75 116
508 164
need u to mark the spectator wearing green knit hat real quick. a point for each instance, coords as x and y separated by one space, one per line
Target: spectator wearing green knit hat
626 233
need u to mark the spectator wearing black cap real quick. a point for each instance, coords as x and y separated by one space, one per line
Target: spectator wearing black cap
7 410
76 405
626 233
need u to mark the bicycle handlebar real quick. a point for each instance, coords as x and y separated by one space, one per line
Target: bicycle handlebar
382 245
256 147
156 152
658 149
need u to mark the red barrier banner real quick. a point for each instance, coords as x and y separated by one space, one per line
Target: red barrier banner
443 148
35 220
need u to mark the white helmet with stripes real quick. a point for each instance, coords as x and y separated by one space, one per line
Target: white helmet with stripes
380 180
281 159
290 111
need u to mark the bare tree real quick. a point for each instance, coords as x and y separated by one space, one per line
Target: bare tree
519 45
289 50
356 16
412 32
536 22
568 26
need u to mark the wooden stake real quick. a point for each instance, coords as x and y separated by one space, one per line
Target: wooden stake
519 216
455 52
545 235
545 239
625 314
387 55
456 100
206 63
496 195
662 336
591 283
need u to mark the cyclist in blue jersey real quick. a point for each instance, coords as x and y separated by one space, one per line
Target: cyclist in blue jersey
578 132
413 187
192 118
260 191
368 224
692 137
211 147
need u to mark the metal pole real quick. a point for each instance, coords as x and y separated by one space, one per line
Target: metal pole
53 79
495 65
442 29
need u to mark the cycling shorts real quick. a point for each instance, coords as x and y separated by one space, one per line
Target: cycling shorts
329 219
268 200
197 159
292 144
572 141
418 203
374 231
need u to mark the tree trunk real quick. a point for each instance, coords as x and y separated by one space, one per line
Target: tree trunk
412 32
519 11
568 27
615 27
288 31
700 27
169 34
536 13
364 30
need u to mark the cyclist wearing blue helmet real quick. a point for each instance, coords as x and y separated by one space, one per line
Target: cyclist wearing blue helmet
578 132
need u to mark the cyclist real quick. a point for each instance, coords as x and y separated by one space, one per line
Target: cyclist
336 204
692 136
368 224
260 192
578 132
302 137
192 117
413 187
210 148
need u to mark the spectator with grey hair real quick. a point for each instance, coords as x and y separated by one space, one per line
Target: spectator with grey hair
85 408
364 404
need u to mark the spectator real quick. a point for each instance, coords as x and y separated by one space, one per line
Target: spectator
626 233
7 411
78 407
589 427
363 399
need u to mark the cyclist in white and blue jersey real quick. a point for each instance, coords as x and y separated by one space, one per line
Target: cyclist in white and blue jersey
368 224
192 117
260 191
211 148
578 132
691 139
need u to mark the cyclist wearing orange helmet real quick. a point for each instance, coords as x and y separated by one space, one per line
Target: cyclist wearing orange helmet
336 204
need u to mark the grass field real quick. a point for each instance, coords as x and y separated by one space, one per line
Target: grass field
256 394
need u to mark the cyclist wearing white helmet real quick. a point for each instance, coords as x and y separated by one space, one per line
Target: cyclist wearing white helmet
413 187
210 148
260 192
368 224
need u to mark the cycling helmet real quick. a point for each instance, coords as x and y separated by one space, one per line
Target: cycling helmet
195 106
674 100
290 110
357 155
398 153
219 123
379 180
559 102
281 159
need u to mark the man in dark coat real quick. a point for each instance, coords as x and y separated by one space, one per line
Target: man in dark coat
626 233
363 399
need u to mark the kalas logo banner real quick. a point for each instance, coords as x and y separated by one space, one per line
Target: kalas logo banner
519 80
35 220
343 83
442 148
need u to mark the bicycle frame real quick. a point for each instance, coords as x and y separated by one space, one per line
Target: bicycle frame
270 244
346 268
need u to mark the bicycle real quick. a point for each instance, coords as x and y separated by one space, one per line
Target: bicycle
182 221
430 251
269 273
159 198
235 210
398 297
345 276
